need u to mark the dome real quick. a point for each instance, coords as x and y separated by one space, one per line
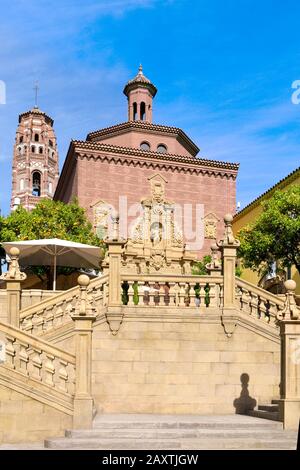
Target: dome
140 81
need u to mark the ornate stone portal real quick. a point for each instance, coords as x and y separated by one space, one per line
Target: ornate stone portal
155 244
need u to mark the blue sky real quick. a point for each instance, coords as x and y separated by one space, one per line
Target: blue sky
224 71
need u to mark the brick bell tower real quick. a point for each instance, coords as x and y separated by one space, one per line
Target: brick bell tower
140 93
35 169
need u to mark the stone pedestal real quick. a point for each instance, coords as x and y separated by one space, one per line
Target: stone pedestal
13 278
83 317
289 405
229 247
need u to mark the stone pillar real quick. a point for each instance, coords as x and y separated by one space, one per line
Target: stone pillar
13 278
229 247
83 316
115 249
289 318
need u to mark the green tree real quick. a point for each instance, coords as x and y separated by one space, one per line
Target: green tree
49 219
275 235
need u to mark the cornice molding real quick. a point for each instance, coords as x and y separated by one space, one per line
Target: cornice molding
166 157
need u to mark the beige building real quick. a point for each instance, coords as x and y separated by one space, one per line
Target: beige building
248 215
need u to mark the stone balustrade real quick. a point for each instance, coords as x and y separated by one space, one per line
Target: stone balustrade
38 360
258 302
172 291
56 311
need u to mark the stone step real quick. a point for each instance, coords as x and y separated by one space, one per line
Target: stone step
186 444
269 407
235 422
163 434
271 415
275 402
110 444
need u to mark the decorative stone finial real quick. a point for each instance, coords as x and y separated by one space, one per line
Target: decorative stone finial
14 273
140 68
83 306
83 280
228 233
290 307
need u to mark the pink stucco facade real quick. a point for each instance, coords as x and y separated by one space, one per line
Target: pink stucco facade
112 164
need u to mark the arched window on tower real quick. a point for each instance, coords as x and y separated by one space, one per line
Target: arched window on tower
41 150
36 137
36 183
21 139
134 111
33 149
143 111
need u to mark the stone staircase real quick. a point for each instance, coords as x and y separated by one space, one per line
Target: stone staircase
267 411
181 432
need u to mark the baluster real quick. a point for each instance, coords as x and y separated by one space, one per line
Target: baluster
130 293
202 294
26 324
49 317
37 364
156 288
105 294
212 295
264 307
192 294
151 294
140 290
49 369
67 313
10 352
63 375
245 300
182 294
238 295
162 293
221 295
172 294
23 358
254 304
37 322
260 308
272 308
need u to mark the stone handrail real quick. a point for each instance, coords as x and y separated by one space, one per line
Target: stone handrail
31 297
172 290
38 360
56 311
258 302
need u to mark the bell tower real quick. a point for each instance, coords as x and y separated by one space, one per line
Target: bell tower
35 169
140 93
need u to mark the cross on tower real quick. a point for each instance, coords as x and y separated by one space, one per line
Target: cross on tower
36 89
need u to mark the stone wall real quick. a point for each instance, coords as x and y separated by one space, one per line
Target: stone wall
24 419
182 366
